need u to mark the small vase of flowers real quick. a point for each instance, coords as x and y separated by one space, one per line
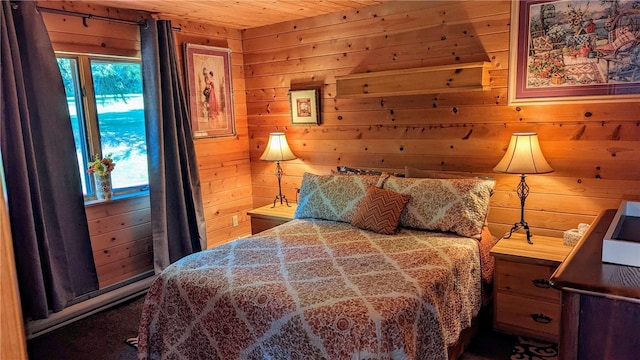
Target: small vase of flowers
101 169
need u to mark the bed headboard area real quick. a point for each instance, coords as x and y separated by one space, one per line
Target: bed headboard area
381 202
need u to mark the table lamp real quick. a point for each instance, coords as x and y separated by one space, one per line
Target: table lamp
278 150
523 157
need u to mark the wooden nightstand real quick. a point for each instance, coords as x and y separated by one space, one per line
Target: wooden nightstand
524 301
266 217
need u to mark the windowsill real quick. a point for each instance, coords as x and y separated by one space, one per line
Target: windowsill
117 198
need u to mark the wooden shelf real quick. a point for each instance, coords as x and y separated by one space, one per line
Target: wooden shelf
425 80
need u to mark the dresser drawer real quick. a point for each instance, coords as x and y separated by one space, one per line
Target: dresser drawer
534 316
526 279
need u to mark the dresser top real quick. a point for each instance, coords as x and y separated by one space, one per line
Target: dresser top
584 270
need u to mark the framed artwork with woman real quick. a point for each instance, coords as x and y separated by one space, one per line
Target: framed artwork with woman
208 76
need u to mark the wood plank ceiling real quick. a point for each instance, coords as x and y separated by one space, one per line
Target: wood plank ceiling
238 14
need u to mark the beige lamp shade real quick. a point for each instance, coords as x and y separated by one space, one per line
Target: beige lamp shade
277 148
523 156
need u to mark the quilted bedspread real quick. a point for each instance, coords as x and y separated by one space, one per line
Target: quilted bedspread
314 289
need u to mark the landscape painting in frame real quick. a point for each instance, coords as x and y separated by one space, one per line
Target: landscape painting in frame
564 51
208 76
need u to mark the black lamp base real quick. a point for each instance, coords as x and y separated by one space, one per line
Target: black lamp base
283 200
280 196
523 192
518 226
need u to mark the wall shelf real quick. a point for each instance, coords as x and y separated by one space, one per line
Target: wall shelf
424 80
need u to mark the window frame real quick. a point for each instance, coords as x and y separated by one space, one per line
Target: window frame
89 114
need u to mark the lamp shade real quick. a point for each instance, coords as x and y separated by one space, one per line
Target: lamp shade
523 156
277 148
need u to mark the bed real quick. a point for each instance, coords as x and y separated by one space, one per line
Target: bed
330 285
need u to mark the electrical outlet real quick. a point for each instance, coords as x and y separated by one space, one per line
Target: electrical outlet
234 220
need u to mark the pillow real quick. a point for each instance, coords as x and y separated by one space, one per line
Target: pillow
411 172
380 211
432 174
345 170
332 197
353 171
456 205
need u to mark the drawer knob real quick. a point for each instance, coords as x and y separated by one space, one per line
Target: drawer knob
541 283
541 318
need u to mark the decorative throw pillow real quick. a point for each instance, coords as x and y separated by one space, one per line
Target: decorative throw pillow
456 205
332 197
380 211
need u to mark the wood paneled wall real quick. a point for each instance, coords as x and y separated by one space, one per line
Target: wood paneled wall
593 147
224 165
120 232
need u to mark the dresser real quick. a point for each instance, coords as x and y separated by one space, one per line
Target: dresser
268 216
601 301
525 303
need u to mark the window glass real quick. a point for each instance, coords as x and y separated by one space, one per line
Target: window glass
69 70
120 109
107 116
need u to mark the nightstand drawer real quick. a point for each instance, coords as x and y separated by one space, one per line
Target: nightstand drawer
527 279
269 216
535 317
259 225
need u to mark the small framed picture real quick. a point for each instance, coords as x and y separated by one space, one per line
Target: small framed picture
305 107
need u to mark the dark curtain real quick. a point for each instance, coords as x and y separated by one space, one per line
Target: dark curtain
177 216
46 207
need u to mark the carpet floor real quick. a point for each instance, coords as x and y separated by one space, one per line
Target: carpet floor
102 337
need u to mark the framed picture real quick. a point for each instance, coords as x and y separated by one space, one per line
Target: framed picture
208 76
305 106
572 51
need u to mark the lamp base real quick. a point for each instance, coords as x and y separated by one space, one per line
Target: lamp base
518 226
280 196
283 200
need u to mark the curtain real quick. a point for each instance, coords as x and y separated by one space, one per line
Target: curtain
177 216
52 248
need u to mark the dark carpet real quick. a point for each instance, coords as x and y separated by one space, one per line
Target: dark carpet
98 337
103 337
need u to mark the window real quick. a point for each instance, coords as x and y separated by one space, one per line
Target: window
106 106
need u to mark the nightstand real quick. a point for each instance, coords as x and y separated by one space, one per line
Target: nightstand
524 301
266 217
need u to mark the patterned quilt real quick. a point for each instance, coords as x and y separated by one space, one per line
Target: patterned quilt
315 289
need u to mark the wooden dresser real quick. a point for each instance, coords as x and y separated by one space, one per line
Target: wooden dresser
268 216
600 301
525 303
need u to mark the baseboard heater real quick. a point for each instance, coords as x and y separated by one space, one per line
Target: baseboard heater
92 303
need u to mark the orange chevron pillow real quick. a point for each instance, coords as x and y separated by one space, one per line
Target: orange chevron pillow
380 210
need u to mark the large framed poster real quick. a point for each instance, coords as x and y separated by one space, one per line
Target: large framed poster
572 50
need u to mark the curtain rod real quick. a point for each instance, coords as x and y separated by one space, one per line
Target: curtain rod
95 17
